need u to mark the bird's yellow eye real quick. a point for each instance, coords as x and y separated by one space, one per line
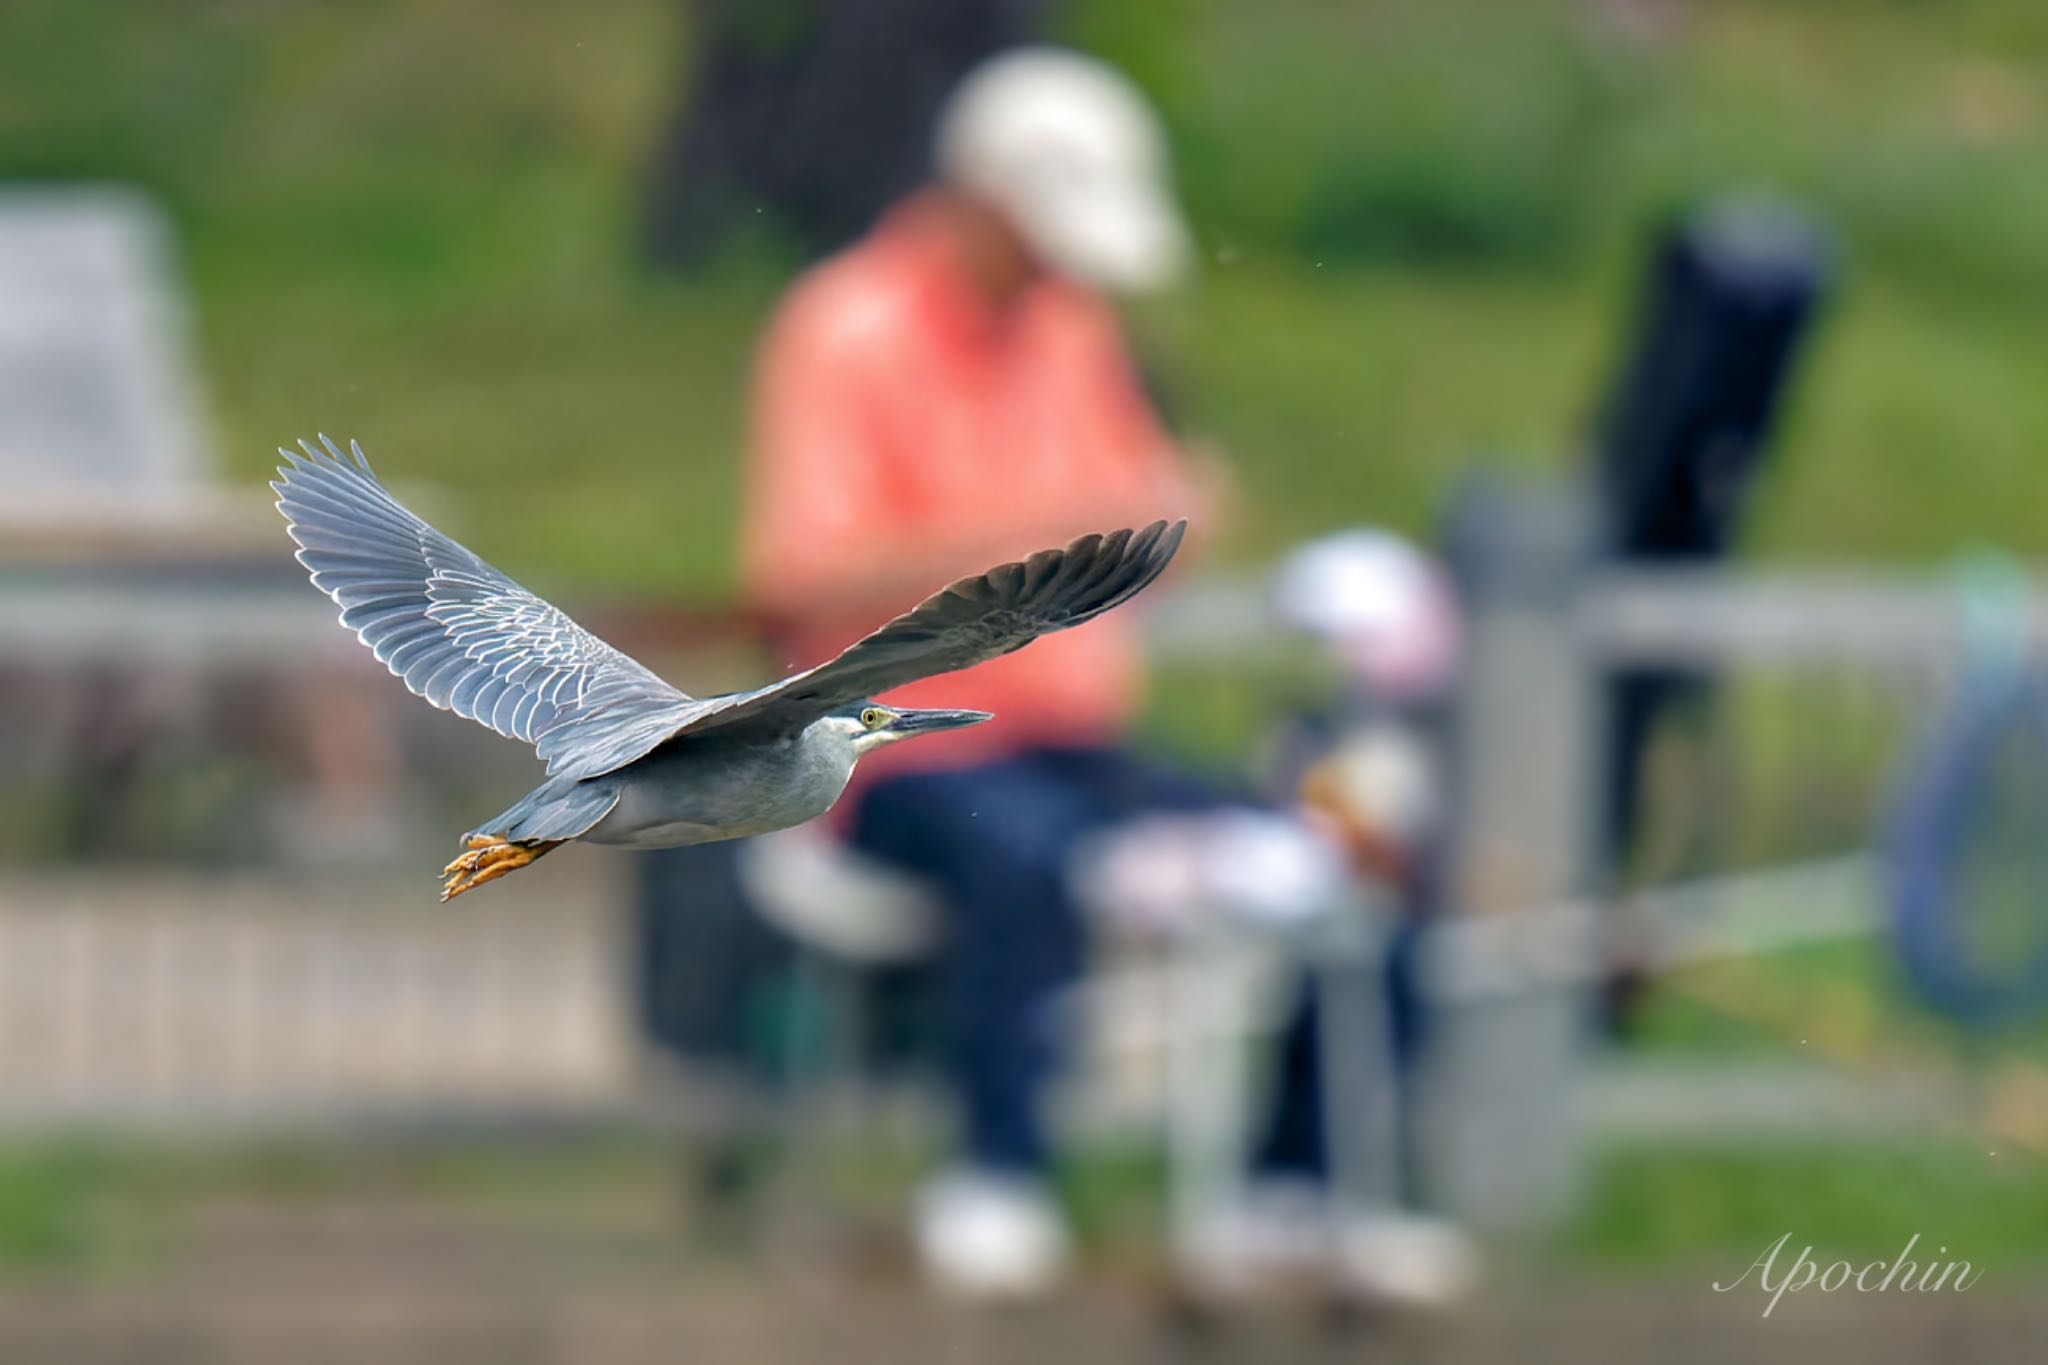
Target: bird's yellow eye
873 717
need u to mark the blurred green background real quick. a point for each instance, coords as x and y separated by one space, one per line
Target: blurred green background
415 221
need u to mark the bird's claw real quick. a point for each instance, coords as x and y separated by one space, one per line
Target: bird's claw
475 844
486 859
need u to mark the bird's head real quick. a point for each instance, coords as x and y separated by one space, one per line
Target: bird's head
869 724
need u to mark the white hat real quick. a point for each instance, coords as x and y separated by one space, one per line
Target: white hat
1069 149
1382 604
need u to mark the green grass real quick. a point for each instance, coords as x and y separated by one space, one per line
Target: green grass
1652 1208
48 1205
130 1209
108 1206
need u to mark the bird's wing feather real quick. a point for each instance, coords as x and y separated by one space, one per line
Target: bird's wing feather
971 621
458 632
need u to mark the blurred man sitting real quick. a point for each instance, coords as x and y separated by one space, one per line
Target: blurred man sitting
946 394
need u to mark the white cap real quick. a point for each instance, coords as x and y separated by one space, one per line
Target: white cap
1382 604
1070 151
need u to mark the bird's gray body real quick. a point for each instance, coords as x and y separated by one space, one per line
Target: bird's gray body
632 760
695 792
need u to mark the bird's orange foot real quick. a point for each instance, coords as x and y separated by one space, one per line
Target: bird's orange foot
486 858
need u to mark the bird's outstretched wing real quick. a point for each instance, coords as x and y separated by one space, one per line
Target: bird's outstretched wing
459 633
973 620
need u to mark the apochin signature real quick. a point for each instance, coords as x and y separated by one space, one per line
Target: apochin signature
1875 1277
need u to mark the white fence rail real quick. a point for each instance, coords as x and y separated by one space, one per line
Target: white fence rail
175 1001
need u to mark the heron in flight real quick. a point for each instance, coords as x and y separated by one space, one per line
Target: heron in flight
631 760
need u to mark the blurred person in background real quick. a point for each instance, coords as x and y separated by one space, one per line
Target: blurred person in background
1368 770
952 391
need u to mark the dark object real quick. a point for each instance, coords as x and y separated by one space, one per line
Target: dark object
1730 295
817 113
1679 447
726 993
708 965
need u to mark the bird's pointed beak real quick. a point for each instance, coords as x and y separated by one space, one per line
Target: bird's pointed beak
909 723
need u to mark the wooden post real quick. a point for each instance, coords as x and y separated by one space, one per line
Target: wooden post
1506 965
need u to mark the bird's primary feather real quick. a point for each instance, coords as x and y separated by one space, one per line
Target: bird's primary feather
470 640
972 620
455 630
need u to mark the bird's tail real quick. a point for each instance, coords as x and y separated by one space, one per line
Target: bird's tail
554 810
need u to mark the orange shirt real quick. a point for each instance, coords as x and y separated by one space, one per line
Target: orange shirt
900 421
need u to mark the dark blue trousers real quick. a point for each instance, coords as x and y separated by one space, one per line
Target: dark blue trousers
997 840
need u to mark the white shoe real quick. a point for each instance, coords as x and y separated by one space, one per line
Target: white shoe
1407 1259
1277 1232
983 1234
